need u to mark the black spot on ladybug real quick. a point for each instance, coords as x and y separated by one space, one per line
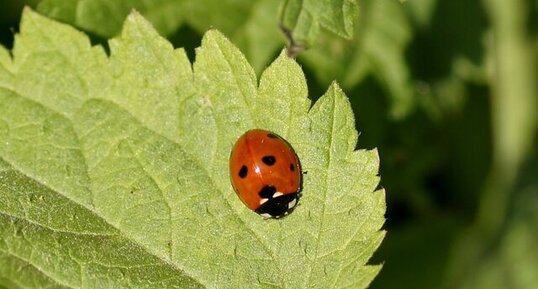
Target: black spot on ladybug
243 172
269 160
272 135
267 192
292 167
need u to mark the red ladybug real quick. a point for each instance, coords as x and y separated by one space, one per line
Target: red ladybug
265 173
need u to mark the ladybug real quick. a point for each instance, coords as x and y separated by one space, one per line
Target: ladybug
265 173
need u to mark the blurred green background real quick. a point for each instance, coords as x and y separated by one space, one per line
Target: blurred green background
446 90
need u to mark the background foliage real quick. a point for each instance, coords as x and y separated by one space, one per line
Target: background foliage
447 92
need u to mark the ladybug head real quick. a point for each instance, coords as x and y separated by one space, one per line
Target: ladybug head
278 207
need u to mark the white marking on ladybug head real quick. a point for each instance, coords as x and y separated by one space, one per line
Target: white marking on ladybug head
262 201
292 203
277 194
266 216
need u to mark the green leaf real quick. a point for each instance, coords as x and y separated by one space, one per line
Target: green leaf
252 25
259 36
114 169
105 18
303 19
378 49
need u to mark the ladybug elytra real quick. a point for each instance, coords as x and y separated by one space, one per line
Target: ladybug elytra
265 173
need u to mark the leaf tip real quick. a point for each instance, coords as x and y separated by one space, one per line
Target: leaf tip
135 17
213 34
336 88
134 14
29 13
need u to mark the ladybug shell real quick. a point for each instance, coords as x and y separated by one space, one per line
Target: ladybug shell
265 173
